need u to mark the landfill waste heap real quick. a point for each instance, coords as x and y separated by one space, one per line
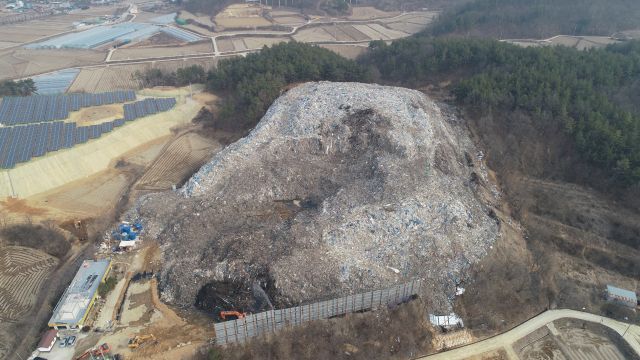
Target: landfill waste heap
341 188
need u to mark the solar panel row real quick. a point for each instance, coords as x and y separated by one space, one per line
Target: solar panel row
43 108
146 107
21 143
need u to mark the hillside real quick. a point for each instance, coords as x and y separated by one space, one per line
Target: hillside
538 19
577 96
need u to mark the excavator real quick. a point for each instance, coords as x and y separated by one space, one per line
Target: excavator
140 340
235 314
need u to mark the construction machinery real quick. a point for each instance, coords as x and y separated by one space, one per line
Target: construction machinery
140 340
236 314
95 353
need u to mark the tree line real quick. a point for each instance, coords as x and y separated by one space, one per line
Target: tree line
193 74
538 19
17 88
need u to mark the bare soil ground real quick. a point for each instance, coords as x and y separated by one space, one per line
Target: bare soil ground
241 16
158 39
144 314
97 114
314 34
289 20
369 12
572 339
200 18
162 51
348 51
178 161
259 42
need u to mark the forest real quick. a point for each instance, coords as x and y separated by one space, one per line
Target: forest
17 88
538 19
555 85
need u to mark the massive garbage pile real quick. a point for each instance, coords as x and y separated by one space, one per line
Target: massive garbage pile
341 188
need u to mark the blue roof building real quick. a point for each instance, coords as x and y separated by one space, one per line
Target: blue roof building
622 296
74 305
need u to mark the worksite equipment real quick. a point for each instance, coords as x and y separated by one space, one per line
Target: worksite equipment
237 314
140 340
95 352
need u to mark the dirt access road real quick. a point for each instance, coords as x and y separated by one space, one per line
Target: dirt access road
631 333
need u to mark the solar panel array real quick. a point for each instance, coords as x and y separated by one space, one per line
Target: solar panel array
21 143
17 110
147 107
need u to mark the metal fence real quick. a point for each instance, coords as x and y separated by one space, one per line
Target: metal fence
269 321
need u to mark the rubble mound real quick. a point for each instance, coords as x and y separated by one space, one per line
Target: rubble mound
341 188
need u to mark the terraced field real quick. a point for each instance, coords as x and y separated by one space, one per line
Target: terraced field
22 273
178 161
120 77
102 79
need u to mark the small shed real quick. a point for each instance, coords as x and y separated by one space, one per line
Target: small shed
621 296
48 339
448 322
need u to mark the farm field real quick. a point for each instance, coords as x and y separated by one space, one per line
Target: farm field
17 63
28 31
22 273
147 16
159 39
258 42
369 12
570 339
101 79
313 35
289 20
120 77
178 160
241 16
202 19
348 51
203 47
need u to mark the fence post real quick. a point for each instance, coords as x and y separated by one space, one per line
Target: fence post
371 303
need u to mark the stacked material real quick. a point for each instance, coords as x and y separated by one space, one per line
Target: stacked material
340 188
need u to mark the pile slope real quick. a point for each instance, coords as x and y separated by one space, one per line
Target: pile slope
341 187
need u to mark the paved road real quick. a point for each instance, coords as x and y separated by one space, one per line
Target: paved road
631 333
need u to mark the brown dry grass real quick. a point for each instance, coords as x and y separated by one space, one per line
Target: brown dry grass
97 114
25 62
399 333
348 51
162 51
